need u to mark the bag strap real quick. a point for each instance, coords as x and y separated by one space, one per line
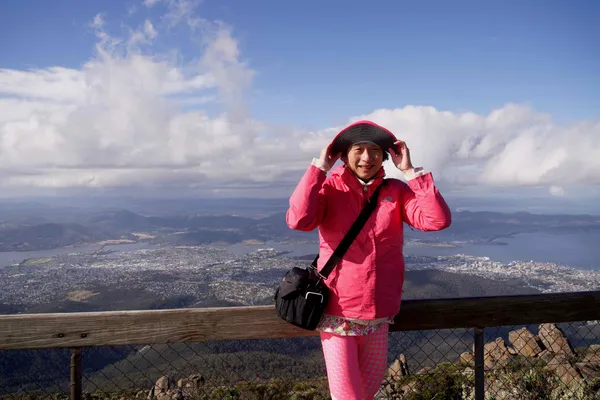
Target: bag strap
350 235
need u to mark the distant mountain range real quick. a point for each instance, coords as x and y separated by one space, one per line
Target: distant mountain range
35 227
48 235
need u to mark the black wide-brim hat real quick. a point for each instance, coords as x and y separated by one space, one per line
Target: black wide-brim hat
362 132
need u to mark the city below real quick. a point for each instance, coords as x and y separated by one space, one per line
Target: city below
204 276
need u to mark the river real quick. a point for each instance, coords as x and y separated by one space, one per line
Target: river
579 250
11 257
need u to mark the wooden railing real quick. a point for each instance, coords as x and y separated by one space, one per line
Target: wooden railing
77 330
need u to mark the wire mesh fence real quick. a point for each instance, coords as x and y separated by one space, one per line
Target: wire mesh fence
211 370
548 361
423 364
544 361
35 373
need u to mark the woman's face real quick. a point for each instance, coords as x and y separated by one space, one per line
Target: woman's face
365 160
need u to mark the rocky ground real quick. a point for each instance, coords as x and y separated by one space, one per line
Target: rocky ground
529 367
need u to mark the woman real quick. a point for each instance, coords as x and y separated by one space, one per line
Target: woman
366 286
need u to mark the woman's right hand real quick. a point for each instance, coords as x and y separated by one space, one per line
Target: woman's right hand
326 159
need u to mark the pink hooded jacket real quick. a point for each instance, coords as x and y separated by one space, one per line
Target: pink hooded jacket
367 283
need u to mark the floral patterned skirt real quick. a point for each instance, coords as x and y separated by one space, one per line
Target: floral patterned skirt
346 327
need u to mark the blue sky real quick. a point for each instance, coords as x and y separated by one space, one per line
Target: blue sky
317 62
511 84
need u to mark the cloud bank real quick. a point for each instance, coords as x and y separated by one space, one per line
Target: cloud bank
131 118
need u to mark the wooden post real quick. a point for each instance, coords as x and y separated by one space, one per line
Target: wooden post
76 377
479 365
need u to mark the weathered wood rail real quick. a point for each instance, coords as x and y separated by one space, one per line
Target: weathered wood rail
77 330
111 328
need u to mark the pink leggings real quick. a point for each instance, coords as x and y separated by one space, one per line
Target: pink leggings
356 365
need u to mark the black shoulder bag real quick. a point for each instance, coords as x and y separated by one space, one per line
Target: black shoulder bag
302 296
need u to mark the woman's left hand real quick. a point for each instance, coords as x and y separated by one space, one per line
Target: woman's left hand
401 156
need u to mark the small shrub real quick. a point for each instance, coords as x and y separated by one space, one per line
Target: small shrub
445 382
224 393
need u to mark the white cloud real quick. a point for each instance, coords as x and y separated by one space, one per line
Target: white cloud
183 11
149 30
145 35
131 118
117 122
150 3
557 191
54 84
98 21
512 146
